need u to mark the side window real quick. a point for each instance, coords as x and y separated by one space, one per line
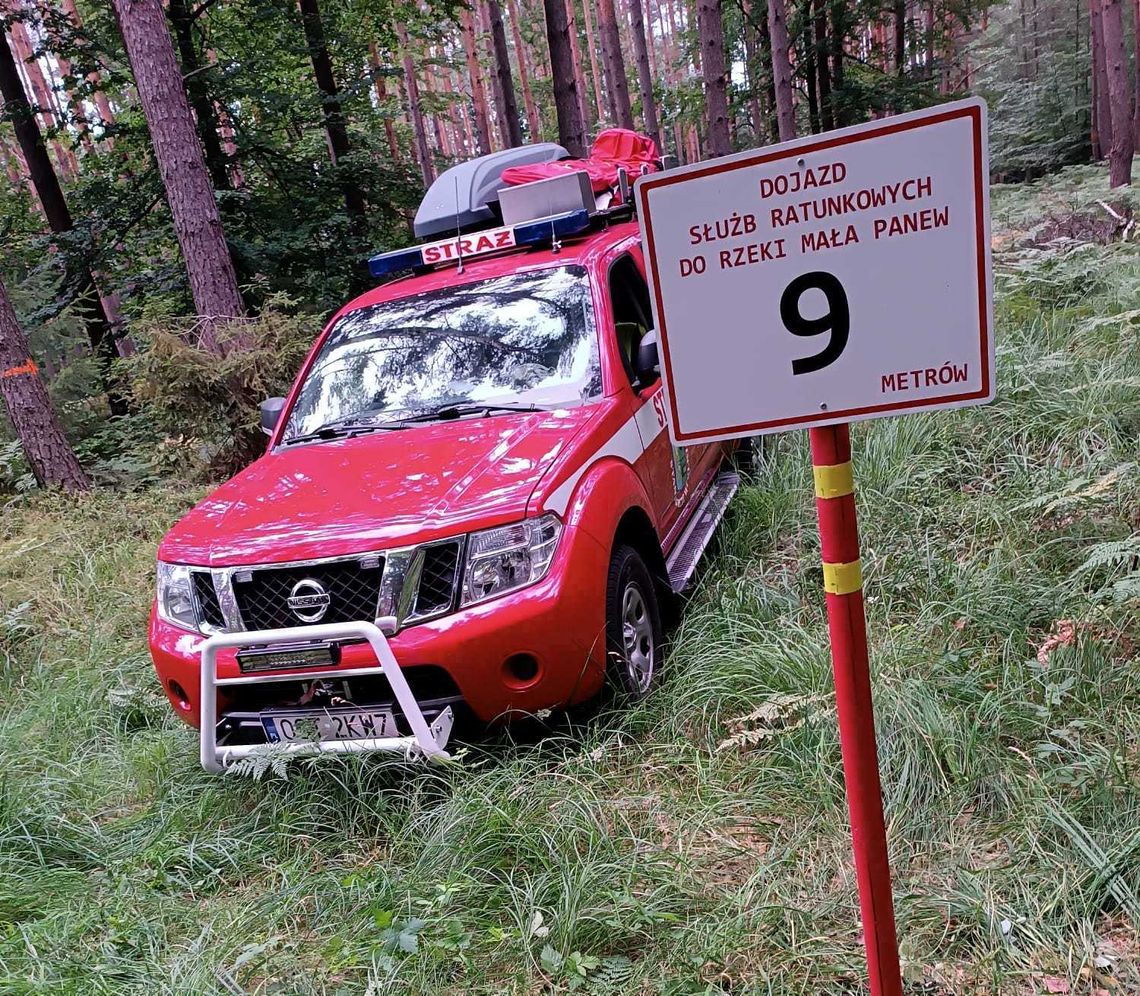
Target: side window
629 297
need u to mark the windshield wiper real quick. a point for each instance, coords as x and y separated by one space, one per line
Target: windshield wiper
341 428
445 412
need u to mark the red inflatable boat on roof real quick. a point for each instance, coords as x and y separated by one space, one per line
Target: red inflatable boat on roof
613 149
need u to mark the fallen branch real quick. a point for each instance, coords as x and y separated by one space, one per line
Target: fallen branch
1118 217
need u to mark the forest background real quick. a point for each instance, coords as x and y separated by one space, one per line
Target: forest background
192 188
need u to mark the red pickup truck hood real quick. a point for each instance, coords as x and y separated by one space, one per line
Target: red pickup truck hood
375 491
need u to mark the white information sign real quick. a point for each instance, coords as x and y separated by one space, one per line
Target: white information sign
837 277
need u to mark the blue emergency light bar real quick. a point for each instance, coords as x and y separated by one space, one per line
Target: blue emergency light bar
529 233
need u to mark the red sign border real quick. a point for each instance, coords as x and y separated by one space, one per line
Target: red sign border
973 111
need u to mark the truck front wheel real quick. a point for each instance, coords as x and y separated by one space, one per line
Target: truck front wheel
633 625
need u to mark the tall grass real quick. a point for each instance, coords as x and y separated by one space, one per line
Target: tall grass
696 844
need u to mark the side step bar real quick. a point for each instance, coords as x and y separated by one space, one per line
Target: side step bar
682 561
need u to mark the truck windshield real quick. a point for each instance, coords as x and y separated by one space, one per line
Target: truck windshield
522 339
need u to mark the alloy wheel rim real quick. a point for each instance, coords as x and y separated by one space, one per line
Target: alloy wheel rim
637 637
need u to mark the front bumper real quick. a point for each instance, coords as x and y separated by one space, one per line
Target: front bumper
425 741
559 622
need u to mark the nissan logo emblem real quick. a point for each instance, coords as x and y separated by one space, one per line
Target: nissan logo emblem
309 600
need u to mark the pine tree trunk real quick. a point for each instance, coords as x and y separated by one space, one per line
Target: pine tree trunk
494 86
781 70
79 279
533 121
189 193
769 78
1136 86
429 79
711 31
42 94
838 38
475 73
900 38
655 51
381 89
827 120
617 83
509 108
930 39
810 77
461 128
181 20
644 76
1103 106
29 407
336 129
1094 92
415 108
1119 93
13 165
102 104
751 74
567 97
579 74
595 74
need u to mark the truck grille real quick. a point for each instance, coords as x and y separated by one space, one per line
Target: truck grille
263 593
209 608
437 580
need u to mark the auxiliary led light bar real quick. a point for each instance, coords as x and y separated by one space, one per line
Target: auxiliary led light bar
529 233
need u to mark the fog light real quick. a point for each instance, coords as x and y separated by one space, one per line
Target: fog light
521 670
180 696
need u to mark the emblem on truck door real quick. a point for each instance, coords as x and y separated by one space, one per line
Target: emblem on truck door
309 600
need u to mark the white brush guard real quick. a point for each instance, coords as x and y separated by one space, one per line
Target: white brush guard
426 741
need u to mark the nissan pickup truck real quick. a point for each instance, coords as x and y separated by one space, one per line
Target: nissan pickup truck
469 501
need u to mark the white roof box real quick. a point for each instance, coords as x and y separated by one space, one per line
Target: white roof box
460 196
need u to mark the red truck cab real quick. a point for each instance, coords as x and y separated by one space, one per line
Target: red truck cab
470 483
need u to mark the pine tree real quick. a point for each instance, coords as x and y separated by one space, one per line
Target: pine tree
1119 94
711 31
181 165
508 108
571 124
79 280
336 130
26 400
475 74
644 76
617 83
781 70
415 108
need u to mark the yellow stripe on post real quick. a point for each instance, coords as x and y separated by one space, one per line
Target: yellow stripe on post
842 579
834 480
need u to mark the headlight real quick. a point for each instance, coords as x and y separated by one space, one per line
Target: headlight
175 596
509 557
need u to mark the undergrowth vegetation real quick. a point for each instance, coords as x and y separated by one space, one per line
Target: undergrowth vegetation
698 843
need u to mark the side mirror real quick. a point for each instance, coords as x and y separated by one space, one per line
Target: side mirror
648 364
271 409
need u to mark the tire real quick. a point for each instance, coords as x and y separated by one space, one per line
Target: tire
633 626
749 455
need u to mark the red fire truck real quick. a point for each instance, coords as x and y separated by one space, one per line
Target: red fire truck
469 499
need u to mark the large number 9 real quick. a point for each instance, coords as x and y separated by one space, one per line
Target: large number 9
837 320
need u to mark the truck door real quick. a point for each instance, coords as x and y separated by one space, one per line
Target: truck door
665 471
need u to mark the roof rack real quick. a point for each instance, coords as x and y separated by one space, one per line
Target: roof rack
482 214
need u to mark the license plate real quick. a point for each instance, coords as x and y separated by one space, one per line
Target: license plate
339 724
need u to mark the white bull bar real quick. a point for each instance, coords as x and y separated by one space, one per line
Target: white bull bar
425 740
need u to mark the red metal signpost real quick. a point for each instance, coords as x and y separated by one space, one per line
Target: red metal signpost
843 582
763 240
